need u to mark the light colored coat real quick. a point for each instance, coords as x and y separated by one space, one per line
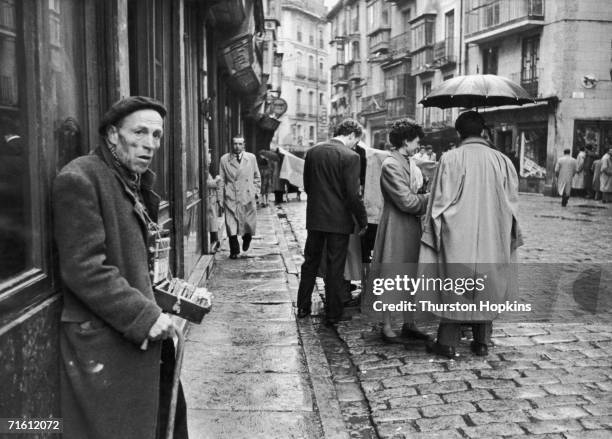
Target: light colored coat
605 178
239 183
565 169
471 229
399 230
578 180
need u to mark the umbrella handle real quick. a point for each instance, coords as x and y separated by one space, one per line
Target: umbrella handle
175 384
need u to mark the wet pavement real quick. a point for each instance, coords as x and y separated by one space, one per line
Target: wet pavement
548 373
245 371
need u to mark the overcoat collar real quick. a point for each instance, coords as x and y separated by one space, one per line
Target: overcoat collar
402 160
475 139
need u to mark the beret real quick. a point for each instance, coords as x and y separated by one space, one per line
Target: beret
127 106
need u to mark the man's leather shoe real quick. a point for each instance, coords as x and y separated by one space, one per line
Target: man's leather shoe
352 303
396 339
303 312
233 256
480 349
414 334
344 318
440 349
245 244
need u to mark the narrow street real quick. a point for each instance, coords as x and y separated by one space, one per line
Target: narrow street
251 371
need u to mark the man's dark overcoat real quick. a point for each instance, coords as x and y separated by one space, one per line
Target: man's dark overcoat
331 180
109 386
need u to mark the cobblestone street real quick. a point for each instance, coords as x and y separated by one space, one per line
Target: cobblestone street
549 372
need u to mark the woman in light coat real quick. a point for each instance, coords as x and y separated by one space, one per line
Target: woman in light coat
399 230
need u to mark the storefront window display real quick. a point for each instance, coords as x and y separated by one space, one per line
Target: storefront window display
595 133
532 147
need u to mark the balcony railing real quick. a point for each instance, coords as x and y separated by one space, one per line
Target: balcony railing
422 61
528 79
300 72
313 74
380 41
338 74
396 107
300 111
490 15
443 53
373 103
355 70
399 46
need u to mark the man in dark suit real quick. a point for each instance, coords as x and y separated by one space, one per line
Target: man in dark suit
331 180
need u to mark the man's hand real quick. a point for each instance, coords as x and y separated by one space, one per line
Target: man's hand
162 329
363 230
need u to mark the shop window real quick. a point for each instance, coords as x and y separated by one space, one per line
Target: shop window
596 133
58 90
532 149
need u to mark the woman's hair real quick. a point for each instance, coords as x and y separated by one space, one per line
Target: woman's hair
403 129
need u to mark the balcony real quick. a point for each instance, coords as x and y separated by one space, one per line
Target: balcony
354 70
313 74
499 18
300 72
397 108
528 79
373 104
379 42
399 46
338 74
422 61
443 55
300 111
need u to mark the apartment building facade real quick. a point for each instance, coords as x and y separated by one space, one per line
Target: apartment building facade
302 39
560 51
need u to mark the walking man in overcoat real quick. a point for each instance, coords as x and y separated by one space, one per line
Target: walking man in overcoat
331 180
565 170
111 330
239 185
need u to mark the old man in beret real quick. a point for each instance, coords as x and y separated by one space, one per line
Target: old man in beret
113 335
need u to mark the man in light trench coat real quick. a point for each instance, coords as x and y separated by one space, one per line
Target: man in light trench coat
565 170
105 214
239 184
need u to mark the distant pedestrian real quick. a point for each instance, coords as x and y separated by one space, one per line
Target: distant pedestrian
429 153
239 184
265 171
606 177
331 181
399 232
213 206
470 232
596 179
589 158
278 186
565 169
578 180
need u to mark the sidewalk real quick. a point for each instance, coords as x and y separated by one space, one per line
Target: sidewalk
247 372
551 378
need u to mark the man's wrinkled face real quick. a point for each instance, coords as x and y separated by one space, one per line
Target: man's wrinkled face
237 145
136 139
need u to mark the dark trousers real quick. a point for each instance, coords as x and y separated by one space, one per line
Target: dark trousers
564 200
165 393
367 243
336 245
235 246
449 332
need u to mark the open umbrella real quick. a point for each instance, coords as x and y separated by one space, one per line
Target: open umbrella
476 91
